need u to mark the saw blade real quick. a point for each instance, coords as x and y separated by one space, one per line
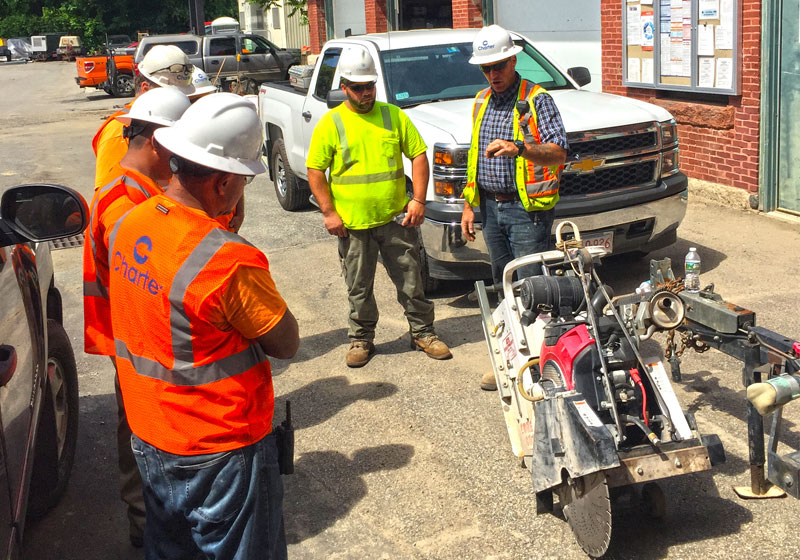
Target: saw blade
587 507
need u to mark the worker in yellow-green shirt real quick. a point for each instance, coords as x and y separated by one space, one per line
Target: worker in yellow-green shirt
362 142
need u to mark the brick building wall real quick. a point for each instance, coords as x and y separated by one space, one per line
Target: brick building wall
467 13
719 142
375 14
316 25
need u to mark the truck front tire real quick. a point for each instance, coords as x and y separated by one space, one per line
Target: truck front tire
288 188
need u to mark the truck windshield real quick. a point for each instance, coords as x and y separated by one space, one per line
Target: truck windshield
442 72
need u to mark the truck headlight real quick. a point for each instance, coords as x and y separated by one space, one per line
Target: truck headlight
449 171
670 162
669 133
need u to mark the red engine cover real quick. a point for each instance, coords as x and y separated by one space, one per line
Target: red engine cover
569 345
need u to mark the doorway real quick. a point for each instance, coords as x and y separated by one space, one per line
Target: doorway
788 181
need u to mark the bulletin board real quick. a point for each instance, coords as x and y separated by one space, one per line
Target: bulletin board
685 45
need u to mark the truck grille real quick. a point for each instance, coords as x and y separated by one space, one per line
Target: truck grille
66 242
608 179
627 143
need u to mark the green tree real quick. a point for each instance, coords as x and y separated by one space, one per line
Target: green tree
293 6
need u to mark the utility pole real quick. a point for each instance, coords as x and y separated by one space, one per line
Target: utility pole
197 17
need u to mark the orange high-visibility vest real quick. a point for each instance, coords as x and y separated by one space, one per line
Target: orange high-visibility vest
189 388
108 205
109 147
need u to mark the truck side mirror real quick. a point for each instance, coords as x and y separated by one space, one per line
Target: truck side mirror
580 74
43 212
335 98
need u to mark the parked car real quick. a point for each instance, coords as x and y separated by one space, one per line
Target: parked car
69 47
621 185
232 56
93 71
38 375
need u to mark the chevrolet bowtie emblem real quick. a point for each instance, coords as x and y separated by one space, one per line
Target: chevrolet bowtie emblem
586 165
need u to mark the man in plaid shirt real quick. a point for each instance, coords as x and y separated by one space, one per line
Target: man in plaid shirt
511 227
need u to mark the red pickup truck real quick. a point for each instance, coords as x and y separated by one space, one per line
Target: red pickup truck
95 71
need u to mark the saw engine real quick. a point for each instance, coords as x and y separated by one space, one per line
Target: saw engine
588 404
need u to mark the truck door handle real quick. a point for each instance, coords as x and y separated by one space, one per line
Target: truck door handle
8 363
246 59
306 115
215 62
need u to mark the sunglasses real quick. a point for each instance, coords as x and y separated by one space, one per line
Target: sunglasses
176 69
360 88
498 66
248 179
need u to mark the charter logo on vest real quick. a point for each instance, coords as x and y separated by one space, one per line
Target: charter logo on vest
138 277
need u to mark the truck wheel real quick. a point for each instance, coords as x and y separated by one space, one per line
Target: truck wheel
287 187
123 86
58 428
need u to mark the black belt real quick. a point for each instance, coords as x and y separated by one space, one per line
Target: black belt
500 197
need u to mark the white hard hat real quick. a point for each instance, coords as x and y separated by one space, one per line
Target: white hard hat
356 65
162 106
168 65
492 44
221 131
202 85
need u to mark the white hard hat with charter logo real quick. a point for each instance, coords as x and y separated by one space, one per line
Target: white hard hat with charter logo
202 84
221 131
168 65
162 106
493 44
356 65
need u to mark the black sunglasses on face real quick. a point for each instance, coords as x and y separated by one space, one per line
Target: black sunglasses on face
360 88
498 66
176 69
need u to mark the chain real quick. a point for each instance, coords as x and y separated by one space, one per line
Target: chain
686 340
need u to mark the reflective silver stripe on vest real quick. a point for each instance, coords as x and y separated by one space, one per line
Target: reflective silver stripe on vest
95 288
180 325
346 161
190 375
370 178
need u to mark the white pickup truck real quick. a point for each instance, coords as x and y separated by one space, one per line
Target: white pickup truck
621 185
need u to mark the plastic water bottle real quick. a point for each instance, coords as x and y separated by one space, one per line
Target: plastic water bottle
691 278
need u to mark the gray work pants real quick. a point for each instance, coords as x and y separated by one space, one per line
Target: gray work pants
399 250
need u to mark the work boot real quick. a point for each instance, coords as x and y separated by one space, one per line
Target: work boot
359 353
432 346
488 382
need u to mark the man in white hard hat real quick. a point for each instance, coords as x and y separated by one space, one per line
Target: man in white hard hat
195 313
143 171
363 142
514 160
162 66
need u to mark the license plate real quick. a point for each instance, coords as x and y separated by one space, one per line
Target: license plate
603 239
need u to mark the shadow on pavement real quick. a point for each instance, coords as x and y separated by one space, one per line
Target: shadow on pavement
320 400
326 485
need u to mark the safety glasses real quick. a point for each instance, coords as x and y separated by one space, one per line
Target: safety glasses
176 69
497 66
248 179
360 88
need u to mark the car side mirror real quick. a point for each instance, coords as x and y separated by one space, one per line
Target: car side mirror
43 212
335 98
580 74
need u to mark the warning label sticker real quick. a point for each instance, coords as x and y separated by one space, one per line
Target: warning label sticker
509 350
587 414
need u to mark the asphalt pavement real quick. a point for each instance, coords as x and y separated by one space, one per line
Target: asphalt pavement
406 458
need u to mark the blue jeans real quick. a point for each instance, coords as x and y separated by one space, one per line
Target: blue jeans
511 232
221 505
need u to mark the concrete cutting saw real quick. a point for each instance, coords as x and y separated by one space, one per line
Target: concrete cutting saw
588 404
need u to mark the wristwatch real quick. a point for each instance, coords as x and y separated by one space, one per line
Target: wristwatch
520 147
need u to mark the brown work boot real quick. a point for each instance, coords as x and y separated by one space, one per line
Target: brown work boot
432 346
359 353
488 382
